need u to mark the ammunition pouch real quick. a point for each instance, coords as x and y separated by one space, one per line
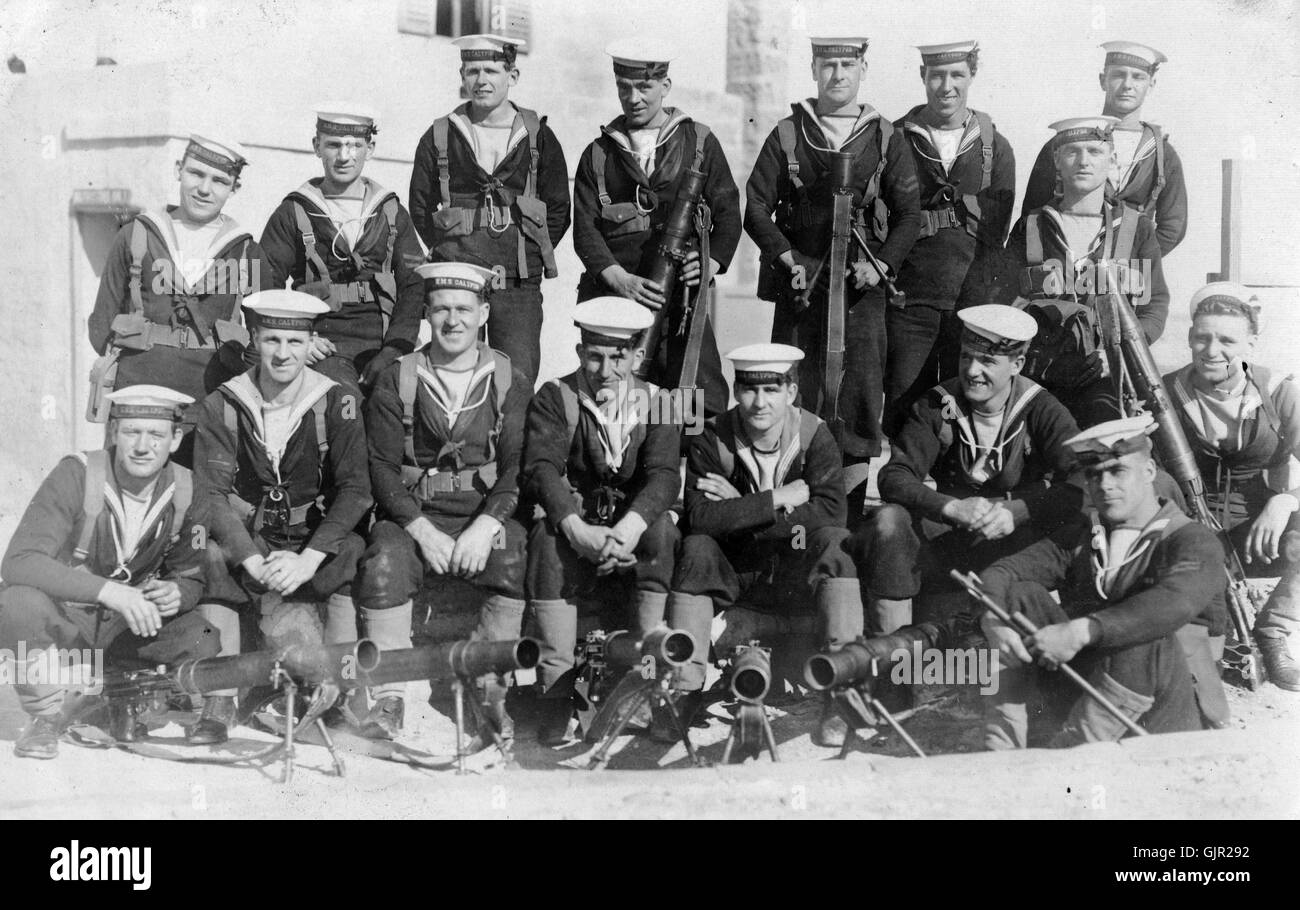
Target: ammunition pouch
227 331
103 377
136 333
1067 335
452 221
532 224
619 219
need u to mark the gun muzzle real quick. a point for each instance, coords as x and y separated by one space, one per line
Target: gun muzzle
860 660
332 663
841 171
751 674
465 659
668 646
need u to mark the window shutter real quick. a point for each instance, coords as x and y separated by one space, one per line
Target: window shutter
417 17
512 19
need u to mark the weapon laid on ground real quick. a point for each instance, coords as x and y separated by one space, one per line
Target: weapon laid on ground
852 673
1241 659
665 268
646 671
326 671
131 696
749 677
461 662
1026 628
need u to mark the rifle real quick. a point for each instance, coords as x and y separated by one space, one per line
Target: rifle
1241 659
619 675
665 268
1026 628
841 176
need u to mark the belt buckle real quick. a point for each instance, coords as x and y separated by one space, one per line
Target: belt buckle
455 482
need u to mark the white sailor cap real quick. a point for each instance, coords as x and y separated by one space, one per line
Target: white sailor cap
839 47
154 402
1113 438
461 276
759 362
611 320
1084 129
941 54
223 154
997 328
489 47
1130 53
345 118
1228 294
638 58
281 308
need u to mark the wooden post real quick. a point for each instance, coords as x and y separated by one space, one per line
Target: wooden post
1230 225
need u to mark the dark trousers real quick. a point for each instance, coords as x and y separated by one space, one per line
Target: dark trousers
1155 669
393 570
1280 616
898 556
230 586
779 576
345 371
923 348
557 572
1092 404
31 616
515 326
862 391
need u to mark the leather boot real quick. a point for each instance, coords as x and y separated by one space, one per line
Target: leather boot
500 619
557 627
390 629
214 721
886 615
40 739
840 615
650 608
1279 666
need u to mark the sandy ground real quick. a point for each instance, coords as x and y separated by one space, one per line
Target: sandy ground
1245 771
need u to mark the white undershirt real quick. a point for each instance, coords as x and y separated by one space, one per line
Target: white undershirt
194 246
346 213
644 145
986 433
837 128
1118 543
1080 231
1221 411
491 143
456 384
946 143
767 462
1126 146
134 508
